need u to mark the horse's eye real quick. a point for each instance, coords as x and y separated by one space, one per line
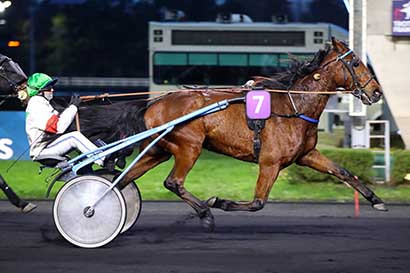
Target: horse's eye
356 63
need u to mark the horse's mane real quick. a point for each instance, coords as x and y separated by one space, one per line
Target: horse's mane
114 121
297 70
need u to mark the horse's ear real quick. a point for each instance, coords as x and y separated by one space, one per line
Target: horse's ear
337 45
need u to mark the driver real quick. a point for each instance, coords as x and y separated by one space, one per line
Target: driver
44 123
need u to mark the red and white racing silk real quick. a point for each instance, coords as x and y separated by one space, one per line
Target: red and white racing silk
41 117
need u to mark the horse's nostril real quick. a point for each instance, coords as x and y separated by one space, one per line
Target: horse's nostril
377 93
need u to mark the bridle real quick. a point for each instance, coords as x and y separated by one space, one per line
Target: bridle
356 87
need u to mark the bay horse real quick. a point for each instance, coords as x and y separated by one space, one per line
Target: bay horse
286 138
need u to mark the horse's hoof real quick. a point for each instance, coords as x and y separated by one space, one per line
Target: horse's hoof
380 207
208 222
28 208
211 201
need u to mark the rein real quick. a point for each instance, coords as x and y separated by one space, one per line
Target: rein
228 90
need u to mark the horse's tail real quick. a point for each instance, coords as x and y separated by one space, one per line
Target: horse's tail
114 121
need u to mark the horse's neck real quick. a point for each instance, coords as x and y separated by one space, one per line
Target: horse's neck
313 105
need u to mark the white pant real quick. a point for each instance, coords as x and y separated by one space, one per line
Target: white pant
66 142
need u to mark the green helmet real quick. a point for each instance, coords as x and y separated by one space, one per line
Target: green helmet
38 82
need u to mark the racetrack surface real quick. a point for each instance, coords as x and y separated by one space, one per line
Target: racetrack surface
283 237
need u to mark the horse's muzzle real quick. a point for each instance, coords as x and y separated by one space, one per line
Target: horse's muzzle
376 96
368 98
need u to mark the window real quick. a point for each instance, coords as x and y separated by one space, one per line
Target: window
284 60
170 59
203 58
263 59
234 59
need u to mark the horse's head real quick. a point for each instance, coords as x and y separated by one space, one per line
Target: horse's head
12 78
353 75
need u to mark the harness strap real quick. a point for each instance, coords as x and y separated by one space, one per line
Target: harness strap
256 125
301 116
309 119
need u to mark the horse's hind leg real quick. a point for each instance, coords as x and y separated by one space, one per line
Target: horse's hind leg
315 160
185 158
267 176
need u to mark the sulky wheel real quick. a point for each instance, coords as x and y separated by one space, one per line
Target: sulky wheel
84 227
132 198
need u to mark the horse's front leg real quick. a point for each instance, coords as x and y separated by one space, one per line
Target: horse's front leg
315 160
267 177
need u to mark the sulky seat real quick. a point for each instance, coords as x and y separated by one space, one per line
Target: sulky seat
50 160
